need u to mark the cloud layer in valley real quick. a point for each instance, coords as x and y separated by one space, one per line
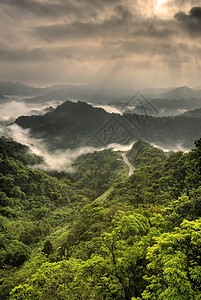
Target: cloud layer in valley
10 110
127 43
62 160
59 160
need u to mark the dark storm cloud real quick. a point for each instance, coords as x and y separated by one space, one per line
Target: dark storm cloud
191 21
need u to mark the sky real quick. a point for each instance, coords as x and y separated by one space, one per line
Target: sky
104 43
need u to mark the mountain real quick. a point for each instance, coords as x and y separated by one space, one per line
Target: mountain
82 93
142 153
18 89
164 107
56 243
73 125
171 103
196 113
183 92
155 91
69 125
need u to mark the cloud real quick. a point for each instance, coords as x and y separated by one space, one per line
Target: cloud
65 41
59 160
109 108
112 25
175 148
58 9
62 160
19 54
10 110
190 22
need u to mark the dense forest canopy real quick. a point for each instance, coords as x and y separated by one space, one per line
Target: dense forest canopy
96 233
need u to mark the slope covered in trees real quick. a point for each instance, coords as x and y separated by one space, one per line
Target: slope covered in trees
140 239
72 125
142 153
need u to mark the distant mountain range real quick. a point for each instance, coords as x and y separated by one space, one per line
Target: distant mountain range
72 125
164 107
62 92
179 93
157 102
172 103
18 89
87 93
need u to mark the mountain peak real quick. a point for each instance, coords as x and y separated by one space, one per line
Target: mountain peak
184 88
183 92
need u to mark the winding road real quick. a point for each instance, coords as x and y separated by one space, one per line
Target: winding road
131 167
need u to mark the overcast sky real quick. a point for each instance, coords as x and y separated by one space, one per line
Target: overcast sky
111 43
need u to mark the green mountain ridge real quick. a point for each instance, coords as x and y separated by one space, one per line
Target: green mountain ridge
142 153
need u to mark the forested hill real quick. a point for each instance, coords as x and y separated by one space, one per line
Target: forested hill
142 153
33 205
69 125
140 239
72 125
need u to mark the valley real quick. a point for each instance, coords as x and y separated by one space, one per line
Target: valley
93 208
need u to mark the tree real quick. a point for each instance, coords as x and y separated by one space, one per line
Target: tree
175 264
117 273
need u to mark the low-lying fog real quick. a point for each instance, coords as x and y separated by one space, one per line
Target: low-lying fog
11 110
59 160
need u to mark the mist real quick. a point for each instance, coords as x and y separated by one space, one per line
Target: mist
58 160
108 108
11 110
175 148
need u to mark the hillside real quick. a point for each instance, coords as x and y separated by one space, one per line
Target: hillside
33 204
69 125
73 125
196 113
142 153
133 242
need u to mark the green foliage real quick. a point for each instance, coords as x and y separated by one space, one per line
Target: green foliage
29 200
140 239
174 262
96 172
142 153
159 184
53 281
12 149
